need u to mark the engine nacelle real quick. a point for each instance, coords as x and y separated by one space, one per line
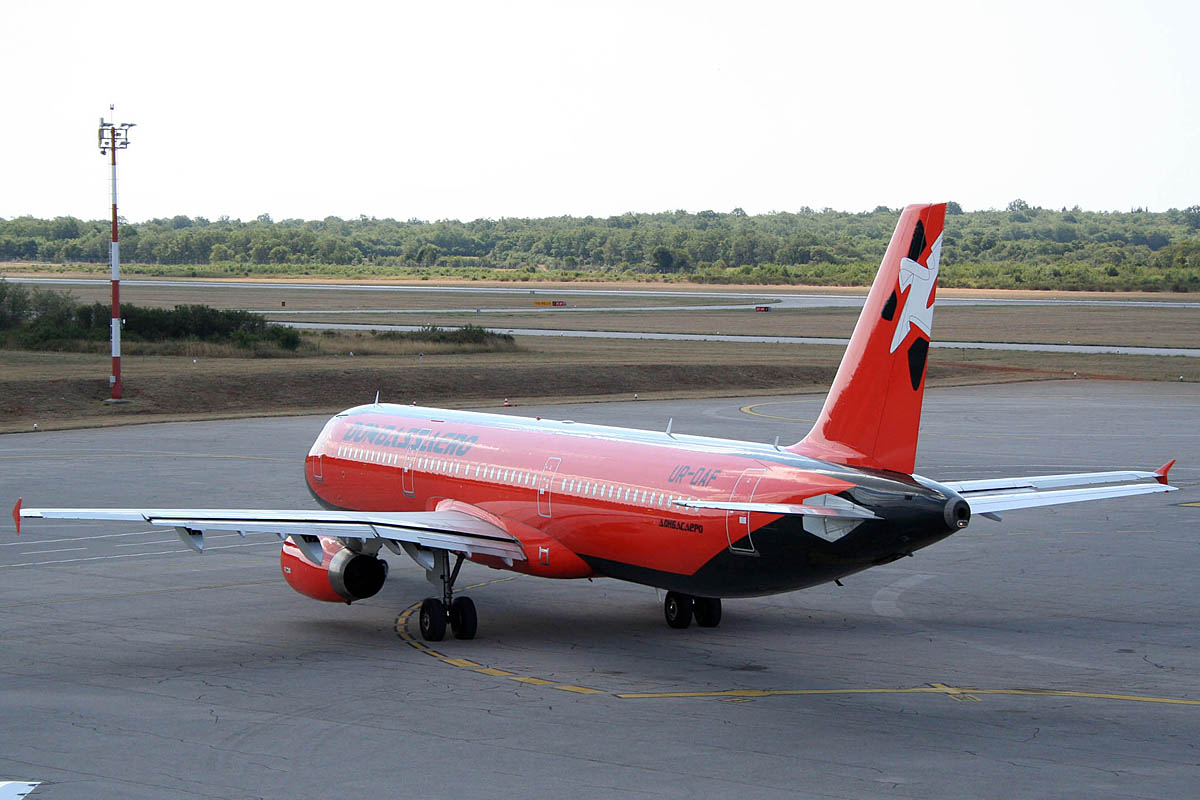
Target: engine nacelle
343 576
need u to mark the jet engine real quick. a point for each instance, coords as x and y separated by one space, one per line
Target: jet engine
343 576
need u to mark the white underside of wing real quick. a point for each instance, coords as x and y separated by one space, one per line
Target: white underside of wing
443 530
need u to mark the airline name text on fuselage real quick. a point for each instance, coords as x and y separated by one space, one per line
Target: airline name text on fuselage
679 525
448 443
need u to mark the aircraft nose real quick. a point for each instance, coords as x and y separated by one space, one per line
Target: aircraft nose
957 513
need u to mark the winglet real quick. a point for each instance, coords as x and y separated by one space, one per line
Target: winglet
1160 474
17 515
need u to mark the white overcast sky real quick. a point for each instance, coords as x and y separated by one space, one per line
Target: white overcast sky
463 110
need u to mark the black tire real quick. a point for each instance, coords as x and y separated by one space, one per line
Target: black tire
463 619
433 620
707 611
677 608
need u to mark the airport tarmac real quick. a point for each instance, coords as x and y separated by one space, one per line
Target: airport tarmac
1054 654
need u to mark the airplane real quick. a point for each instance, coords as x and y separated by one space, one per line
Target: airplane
702 518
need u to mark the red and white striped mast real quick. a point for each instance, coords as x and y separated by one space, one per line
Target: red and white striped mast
115 137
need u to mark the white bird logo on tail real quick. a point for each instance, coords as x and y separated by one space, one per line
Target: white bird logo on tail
917 308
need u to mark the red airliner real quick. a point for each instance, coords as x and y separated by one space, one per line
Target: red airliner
703 518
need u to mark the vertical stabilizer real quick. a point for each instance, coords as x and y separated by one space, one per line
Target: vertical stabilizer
873 411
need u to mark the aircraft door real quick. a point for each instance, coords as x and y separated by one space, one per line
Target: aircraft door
737 523
410 463
545 488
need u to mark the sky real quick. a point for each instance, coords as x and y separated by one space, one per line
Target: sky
473 110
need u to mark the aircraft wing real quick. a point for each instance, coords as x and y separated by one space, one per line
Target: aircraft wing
444 530
992 495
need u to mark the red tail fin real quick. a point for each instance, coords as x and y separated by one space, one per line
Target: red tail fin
873 411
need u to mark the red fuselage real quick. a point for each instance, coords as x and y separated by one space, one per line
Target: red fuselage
588 500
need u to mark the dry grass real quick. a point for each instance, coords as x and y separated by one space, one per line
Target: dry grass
325 343
37 269
67 389
227 294
206 381
1151 327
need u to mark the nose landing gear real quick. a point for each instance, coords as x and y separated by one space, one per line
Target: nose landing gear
458 612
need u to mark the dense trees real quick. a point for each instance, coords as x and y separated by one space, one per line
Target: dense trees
1022 245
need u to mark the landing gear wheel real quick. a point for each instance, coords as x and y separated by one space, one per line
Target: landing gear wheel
463 620
708 611
677 608
433 620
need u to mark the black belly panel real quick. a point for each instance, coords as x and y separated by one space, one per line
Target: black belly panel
786 557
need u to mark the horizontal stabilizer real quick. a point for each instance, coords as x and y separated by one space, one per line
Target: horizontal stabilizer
989 504
966 488
443 530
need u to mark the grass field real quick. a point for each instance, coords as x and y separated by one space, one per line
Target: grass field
232 294
1157 327
1162 326
67 389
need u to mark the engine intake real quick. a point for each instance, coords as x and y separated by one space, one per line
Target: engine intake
356 576
343 576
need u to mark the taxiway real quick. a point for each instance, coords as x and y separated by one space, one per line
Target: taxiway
1051 655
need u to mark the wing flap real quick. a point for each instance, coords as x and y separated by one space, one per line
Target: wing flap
443 530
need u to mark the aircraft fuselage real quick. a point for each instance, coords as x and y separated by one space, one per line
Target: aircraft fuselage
589 500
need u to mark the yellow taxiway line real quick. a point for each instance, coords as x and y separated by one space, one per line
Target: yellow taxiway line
956 693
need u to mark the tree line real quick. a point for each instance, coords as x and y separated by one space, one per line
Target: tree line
1021 245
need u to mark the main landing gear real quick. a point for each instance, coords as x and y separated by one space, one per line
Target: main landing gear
458 612
679 609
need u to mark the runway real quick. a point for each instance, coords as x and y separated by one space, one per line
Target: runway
780 299
1051 655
